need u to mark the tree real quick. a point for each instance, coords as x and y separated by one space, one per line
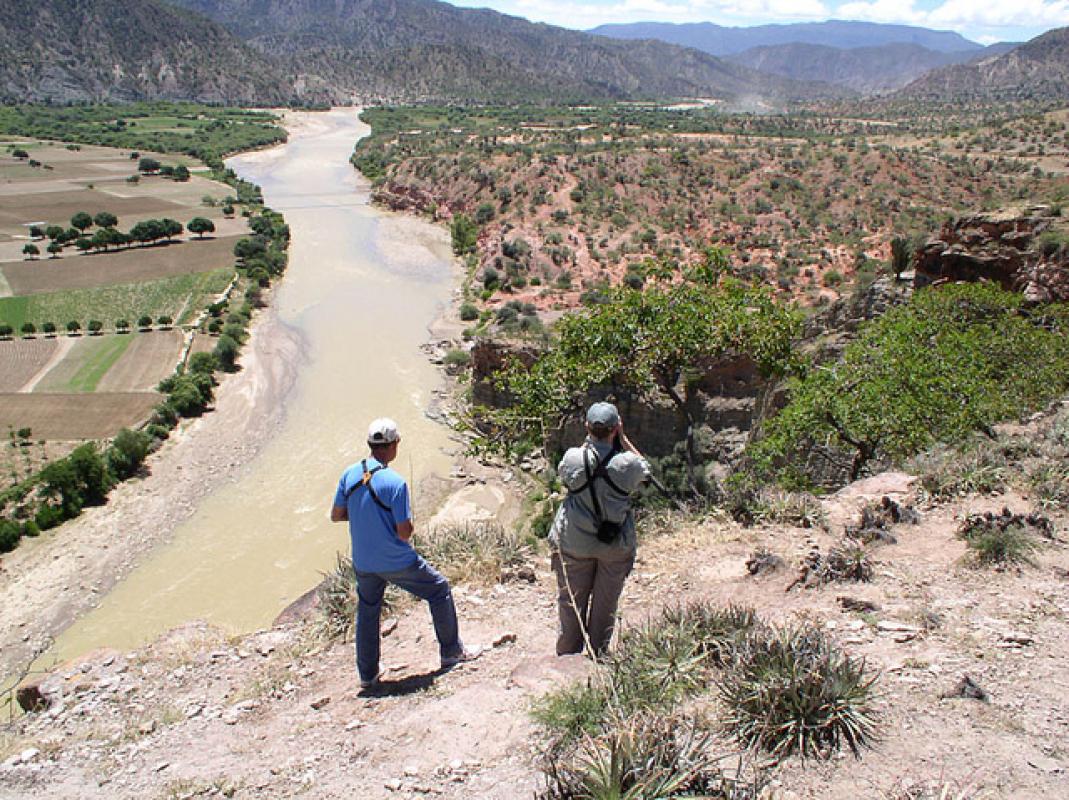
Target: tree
37 232
226 350
122 325
127 452
148 165
170 228
54 249
201 226
82 221
144 322
147 231
28 329
164 321
31 250
73 327
228 210
955 360
105 219
181 173
464 233
249 248
900 255
19 153
54 232
648 342
6 331
95 327
49 328
84 243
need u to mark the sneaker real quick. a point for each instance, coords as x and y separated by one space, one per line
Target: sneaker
371 684
469 653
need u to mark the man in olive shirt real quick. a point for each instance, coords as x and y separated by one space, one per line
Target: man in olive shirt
593 534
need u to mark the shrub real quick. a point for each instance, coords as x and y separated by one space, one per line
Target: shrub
794 691
337 600
955 360
647 756
10 533
474 552
468 312
1006 538
127 452
457 358
226 350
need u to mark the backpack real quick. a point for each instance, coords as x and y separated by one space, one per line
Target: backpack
607 529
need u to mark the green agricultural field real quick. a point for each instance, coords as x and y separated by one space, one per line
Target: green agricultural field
181 297
206 132
99 358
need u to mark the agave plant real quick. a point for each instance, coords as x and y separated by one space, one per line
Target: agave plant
794 691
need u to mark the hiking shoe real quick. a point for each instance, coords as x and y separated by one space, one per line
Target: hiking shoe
371 684
469 653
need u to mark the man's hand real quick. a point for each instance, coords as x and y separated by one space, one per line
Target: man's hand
339 513
404 530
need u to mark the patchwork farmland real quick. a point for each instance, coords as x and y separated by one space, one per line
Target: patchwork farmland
89 327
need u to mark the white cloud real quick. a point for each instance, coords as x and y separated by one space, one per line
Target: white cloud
1020 13
900 11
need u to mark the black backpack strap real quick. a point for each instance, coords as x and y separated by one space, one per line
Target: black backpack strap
366 481
600 471
590 485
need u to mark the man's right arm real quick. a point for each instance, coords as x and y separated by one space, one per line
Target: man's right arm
339 513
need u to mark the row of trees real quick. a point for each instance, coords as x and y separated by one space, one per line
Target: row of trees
146 232
94 326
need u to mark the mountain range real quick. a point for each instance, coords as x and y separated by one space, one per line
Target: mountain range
96 50
339 51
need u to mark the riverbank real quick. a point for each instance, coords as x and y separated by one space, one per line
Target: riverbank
52 580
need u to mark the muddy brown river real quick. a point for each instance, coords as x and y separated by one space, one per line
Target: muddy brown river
361 289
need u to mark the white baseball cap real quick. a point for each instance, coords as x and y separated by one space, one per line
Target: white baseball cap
382 431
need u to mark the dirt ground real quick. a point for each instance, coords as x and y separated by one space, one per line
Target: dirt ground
75 416
278 714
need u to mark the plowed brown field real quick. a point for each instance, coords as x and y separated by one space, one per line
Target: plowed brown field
126 266
21 359
76 416
148 360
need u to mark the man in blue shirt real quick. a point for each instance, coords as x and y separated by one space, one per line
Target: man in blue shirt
374 500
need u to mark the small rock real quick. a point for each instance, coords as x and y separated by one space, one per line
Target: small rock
1045 764
320 702
162 766
389 626
894 626
145 728
1015 637
352 725
28 755
456 764
504 638
967 688
393 784
411 770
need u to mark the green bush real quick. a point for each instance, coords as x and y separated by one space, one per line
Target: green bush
468 312
127 452
955 360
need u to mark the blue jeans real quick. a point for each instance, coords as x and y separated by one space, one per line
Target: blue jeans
426 583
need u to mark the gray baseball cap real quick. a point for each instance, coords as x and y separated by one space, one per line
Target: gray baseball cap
603 414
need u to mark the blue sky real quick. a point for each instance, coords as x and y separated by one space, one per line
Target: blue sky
980 21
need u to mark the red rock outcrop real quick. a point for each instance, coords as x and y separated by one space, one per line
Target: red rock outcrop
1002 247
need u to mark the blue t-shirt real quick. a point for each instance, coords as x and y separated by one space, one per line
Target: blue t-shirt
376 545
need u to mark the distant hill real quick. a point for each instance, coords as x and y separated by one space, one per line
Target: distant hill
719 40
866 70
104 50
423 49
1035 70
